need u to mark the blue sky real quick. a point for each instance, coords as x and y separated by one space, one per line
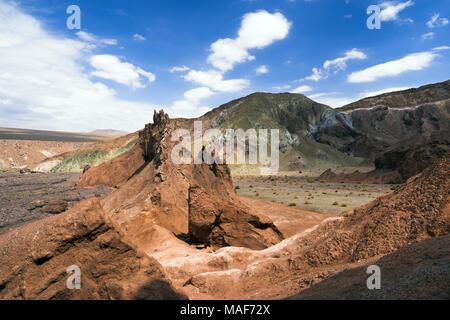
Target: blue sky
131 57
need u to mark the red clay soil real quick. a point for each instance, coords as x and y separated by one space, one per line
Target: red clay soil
114 172
35 258
418 271
289 220
419 211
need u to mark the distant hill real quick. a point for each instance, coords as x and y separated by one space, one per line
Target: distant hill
296 116
108 133
43 135
314 135
404 99
378 124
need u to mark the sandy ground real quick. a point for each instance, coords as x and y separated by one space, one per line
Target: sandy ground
27 153
306 194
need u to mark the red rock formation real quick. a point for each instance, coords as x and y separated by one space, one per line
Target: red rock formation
195 202
35 258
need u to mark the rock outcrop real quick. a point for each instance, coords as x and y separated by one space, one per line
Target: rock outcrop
35 259
197 202
406 220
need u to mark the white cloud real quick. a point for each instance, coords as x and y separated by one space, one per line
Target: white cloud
335 65
412 62
282 88
391 9
112 68
198 94
90 38
46 86
428 36
367 94
138 37
226 53
179 69
262 70
333 100
337 100
302 89
258 30
437 21
192 106
441 48
340 64
317 75
214 80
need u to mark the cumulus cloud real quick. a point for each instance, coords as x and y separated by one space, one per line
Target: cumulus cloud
258 30
391 9
436 21
335 65
45 85
214 80
412 62
112 68
334 100
179 69
138 37
262 70
317 75
302 89
94 40
191 105
340 64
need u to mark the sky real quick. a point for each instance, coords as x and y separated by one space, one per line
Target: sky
131 57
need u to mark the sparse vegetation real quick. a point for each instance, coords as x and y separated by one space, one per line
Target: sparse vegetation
79 160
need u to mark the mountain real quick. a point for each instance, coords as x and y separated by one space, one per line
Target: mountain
314 135
402 131
297 117
404 99
108 133
391 130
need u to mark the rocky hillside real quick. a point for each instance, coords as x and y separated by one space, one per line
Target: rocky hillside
296 116
398 228
404 99
314 135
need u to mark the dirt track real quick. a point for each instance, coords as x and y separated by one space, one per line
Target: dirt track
23 196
